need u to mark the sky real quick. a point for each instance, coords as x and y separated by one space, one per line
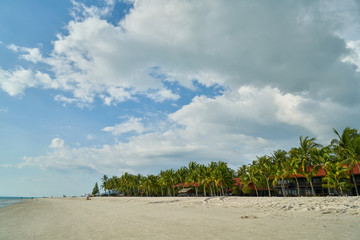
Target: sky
94 87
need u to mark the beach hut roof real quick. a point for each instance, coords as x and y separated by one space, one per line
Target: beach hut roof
185 190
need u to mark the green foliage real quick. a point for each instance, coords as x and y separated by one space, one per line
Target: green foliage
338 160
248 191
95 189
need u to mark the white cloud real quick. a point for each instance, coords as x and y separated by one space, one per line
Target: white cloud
116 95
152 151
162 95
284 67
286 45
133 124
235 127
57 143
14 83
80 11
29 54
354 57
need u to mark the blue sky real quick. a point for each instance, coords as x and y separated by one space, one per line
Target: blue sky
98 87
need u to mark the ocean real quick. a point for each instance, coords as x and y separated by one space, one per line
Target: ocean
6 201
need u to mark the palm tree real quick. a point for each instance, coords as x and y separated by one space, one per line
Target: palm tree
104 180
211 168
336 172
293 167
180 176
347 148
254 176
171 176
193 176
265 168
162 181
305 154
149 184
224 176
279 159
111 184
245 178
204 175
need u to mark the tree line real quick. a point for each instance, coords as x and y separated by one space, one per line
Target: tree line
338 160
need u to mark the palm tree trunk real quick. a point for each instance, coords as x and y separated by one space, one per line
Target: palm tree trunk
204 190
268 186
215 190
257 193
312 187
222 190
355 185
341 191
283 188
297 186
211 190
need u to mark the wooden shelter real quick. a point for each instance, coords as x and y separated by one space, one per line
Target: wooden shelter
185 192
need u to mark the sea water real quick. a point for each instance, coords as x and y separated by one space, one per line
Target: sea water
6 201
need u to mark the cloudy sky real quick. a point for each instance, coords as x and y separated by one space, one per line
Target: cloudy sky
93 87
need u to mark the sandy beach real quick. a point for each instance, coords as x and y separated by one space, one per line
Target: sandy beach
182 218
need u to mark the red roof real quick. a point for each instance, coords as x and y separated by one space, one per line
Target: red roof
322 173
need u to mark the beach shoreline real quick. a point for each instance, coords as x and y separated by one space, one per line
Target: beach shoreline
182 218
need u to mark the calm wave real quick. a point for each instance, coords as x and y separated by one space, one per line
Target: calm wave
6 201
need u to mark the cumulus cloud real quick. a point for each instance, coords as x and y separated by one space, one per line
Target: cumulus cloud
57 143
162 95
133 124
14 83
29 54
285 68
235 127
286 45
151 151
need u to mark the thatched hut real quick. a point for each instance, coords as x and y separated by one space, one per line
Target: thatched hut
185 192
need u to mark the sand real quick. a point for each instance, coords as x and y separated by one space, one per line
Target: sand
183 218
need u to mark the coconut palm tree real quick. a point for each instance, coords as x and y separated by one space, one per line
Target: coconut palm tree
336 172
162 181
223 177
211 168
204 175
245 178
149 184
265 169
254 176
104 183
180 176
305 154
292 167
171 176
280 172
347 148
193 176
